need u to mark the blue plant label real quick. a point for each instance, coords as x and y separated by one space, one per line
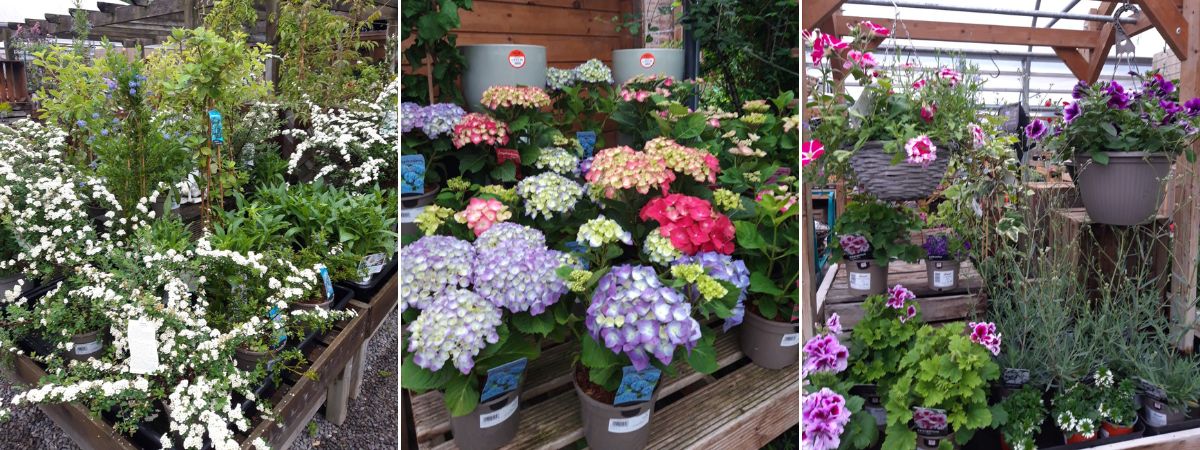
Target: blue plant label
218 127
503 379
412 174
328 283
577 247
281 335
587 140
636 386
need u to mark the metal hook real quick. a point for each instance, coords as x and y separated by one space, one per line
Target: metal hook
996 65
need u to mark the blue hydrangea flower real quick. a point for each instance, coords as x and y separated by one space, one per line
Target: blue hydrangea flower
433 264
633 313
440 119
519 276
557 79
456 326
724 268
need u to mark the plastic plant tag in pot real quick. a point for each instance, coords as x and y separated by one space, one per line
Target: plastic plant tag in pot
503 379
587 140
636 386
494 422
412 174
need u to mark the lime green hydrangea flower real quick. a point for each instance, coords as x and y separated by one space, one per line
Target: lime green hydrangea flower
458 184
726 199
602 230
557 160
687 272
505 195
659 249
432 218
577 280
709 288
756 106
754 119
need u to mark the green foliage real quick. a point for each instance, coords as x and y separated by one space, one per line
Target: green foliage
1075 409
433 45
1023 414
885 227
9 248
71 90
880 339
230 18
322 55
1117 403
461 391
747 45
766 234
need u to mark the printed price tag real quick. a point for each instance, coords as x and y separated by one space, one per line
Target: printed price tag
143 346
636 386
943 278
516 59
587 140
218 128
492 419
325 278
412 174
503 379
880 415
647 60
1155 418
409 215
860 281
790 340
630 424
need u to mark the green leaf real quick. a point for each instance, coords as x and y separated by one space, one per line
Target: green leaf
760 283
540 324
505 172
461 398
418 378
1100 157
596 356
471 162
861 432
514 348
748 236
703 357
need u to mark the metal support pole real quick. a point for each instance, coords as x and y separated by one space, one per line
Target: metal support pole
1026 64
1067 9
1002 11
691 56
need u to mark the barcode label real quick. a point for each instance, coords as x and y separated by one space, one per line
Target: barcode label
498 417
943 278
409 215
628 425
860 281
790 340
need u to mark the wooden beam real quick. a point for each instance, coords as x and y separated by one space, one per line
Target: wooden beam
1170 24
817 11
1186 246
108 8
1098 55
991 34
1074 61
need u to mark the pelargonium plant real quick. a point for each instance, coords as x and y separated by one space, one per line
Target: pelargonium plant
886 332
825 416
885 228
832 417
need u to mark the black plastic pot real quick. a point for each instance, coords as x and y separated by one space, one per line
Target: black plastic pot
364 292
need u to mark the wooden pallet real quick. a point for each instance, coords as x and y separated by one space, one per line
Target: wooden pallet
949 305
1087 244
335 359
742 406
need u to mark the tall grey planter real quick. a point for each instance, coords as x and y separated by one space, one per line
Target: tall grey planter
631 62
501 65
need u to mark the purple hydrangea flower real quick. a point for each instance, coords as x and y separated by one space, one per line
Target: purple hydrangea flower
1117 98
411 116
633 313
585 165
432 265
507 232
1071 112
825 418
441 118
456 326
519 276
724 268
1035 130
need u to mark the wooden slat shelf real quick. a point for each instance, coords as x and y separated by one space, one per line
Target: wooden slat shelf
936 306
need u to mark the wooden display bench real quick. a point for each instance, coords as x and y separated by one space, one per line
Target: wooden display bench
336 359
834 295
1094 249
740 406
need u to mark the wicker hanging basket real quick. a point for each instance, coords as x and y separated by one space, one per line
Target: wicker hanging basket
901 181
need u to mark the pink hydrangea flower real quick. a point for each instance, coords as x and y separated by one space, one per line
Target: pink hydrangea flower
834 323
619 168
984 333
482 214
533 97
476 128
824 353
810 151
699 164
898 295
824 418
921 150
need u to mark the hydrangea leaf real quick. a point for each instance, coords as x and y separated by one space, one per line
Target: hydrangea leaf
461 398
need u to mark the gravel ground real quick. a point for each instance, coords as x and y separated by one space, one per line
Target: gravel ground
371 424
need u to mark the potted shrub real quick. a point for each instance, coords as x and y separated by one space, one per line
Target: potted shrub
884 335
770 331
944 253
1117 409
869 235
491 65
1075 411
580 96
1168 386
930 406
1122 143
1022 420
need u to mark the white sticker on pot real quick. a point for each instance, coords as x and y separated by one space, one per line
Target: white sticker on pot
1155 418
647 60
409 215
143 346
860 281
516 59
630 424
880 415
88 348
943 278
492 419
790 340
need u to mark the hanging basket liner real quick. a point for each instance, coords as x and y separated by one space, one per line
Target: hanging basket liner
901 181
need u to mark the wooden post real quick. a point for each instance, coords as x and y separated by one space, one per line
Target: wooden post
190 18
808 281
1186 246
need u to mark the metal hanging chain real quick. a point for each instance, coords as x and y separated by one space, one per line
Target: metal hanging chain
1123 42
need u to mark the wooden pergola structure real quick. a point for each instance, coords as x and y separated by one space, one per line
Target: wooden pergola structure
1084 52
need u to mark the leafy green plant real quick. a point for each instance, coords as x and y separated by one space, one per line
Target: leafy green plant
746 45
1116 402
945 370
322 55
1076 410
434 46
766 236
884 226
9 248
881 339
1023 414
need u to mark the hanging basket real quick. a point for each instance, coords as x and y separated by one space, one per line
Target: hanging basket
901 181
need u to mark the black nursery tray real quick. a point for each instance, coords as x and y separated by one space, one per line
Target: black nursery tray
1193 421
1137 433
366 291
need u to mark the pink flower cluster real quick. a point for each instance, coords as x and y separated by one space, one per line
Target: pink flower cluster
877 30
919 84
699 164
824 418
810 151
625 168
476 128
928 419
691 224
641 87
921 150
822 42
824 353
950 74
984 333
861 59
853 244
532 97
898 297
928 111
481 214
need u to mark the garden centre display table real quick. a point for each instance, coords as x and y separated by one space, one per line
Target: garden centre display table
740 406
834 295
336 359
1094 250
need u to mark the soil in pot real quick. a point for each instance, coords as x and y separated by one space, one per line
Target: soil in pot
411 206
607 427
86 345
491 425
866 277
942 274
1126 191
771 344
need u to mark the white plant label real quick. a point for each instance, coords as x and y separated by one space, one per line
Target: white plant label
943 278
371 265
409 215
516 59
630 424
860 281
143 346
492 419
790 340
647 60
1155 418
88 348
879 414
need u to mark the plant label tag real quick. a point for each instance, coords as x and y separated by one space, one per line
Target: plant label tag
516 59
412 174
143 346
88 348
929 421
943 278
647 60
371 265
636 386
325 278
503 379
1014 378
880 415
629 425
218 128
790 340
281 333
587 140
409 215
1155 418
860 281
504 155
495 418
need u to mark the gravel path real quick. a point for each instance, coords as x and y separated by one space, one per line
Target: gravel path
371 424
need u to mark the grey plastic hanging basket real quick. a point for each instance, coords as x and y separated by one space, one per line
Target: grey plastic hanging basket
901 181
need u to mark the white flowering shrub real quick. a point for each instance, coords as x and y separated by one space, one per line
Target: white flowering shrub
356 146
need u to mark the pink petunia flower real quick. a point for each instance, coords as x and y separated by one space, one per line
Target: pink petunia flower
921 151
810 151
950 74
977 135
877 30
919 84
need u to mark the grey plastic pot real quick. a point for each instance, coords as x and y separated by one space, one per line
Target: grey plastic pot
490 425
942 275
927 442
607 427
866 277
247 360
501 65
631 62
411 206
1127 190
86 345
1157 414
769 344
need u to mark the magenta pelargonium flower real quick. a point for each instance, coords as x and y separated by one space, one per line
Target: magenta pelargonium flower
928 111
810 151
929 419
909 314
919 84
984 333
898 295
824 353
825 418
921 151
834 323
853 244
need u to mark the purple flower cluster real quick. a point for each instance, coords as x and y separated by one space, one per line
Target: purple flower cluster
824 353
433 264
519 276
456 327
434 120
724 268
824 418
412 116
632 312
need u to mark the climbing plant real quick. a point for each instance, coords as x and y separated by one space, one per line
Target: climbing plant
434 48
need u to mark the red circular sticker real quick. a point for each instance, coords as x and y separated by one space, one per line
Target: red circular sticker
647 60
516 58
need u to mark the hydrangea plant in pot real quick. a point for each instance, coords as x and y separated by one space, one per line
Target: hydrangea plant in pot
1022 419
869 235
1122 142
884 335
944 253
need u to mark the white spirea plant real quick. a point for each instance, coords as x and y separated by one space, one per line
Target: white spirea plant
353 146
